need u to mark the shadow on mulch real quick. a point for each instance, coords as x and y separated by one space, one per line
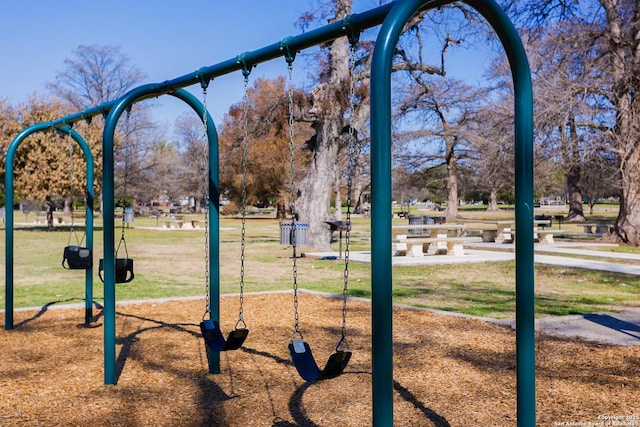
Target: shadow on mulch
448 371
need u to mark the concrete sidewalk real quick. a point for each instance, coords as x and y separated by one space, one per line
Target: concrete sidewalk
610 328
475 254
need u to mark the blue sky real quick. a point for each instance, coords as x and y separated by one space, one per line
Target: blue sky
165 38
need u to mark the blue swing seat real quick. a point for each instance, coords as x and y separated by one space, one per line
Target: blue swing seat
307 367
214 339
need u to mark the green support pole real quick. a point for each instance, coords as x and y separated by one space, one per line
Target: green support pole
213 357
86 150
9 202
118 108
381 203
525 284
381 268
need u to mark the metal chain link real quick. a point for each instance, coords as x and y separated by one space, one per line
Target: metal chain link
245 144
122 239
71 189
351 165
292 203
207 279
88 201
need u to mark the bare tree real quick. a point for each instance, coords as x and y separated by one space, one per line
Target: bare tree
95 74
135 153
614 33
565 112
191 142
98 74
330 101
492 138
444 108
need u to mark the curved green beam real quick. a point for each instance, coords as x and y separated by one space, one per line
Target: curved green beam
119 107
382 278
352 24
9 202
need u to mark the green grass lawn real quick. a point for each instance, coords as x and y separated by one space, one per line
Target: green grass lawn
172 264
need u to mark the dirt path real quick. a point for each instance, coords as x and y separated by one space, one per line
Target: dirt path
448 371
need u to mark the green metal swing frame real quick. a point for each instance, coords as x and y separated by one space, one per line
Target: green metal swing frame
393 17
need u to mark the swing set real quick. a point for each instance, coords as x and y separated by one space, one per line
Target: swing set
393 17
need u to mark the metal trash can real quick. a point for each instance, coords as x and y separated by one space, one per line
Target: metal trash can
287 229
415 220
128 216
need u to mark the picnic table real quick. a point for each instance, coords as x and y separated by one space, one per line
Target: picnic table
441 244
498 231
432 230
172 223
183 222
599 228
504 231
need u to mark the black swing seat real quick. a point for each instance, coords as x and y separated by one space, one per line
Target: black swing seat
214 339
124 270
307 367
77 258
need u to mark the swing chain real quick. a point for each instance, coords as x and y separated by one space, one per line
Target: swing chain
351 165
71 190
124 208
122 239
204 84
245 143
292 203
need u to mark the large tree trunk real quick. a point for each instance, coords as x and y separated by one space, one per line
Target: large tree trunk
493 200
314 199
627 226
571 152
574 193
452 193
329 102
452 178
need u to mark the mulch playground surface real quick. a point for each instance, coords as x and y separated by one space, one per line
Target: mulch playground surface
448 371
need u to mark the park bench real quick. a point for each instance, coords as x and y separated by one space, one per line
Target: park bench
172 223
198 223
42 219
543 220
545 236
539 236
498 231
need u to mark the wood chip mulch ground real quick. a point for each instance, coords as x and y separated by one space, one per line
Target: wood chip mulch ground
449 371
